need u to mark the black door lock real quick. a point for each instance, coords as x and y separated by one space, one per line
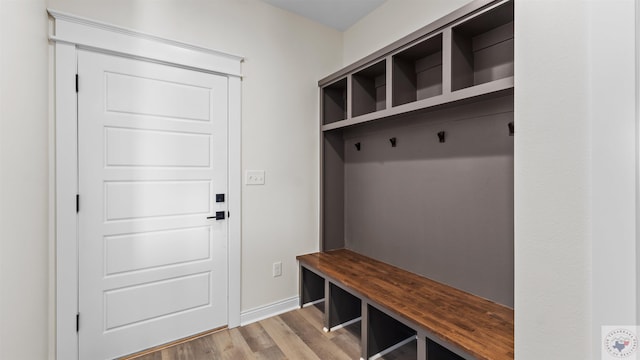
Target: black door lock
219 216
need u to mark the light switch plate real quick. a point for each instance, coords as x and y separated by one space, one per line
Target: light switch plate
254 177
277 269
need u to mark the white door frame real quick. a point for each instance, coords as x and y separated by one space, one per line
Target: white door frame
71 33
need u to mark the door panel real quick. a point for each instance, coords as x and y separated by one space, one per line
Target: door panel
156 97
133 252
129 147
130 200
152 154
131 305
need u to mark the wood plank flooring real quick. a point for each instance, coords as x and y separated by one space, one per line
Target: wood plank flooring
295 335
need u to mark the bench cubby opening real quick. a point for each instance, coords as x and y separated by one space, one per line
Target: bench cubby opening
384 334
417 71
311 287
482 48
343 307
369 89
334 102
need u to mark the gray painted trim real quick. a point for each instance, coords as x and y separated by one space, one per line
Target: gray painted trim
389 82
446 60
464 11
496 88
364 326
321 181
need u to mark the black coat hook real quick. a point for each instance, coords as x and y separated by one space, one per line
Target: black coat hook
358 146
510 128
441 136
393 142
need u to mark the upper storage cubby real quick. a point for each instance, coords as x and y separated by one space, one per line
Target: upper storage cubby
466 56
482 48
369 90
334 102
417 71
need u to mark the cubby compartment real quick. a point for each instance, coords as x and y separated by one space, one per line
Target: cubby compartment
311 286
417 72
334 102
482 48
386 335
369 89
343 309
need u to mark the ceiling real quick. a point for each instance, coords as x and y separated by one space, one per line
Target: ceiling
338 14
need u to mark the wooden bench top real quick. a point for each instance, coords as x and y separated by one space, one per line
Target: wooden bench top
480 327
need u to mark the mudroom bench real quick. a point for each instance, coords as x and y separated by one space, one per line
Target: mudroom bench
397 307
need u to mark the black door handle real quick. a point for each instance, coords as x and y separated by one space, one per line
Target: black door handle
219 216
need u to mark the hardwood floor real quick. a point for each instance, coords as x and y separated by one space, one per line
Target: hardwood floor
296 335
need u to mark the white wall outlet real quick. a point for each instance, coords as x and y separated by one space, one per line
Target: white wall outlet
254 177
277 269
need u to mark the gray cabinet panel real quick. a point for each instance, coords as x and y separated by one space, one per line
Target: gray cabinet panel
441 210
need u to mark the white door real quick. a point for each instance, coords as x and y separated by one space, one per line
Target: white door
152 154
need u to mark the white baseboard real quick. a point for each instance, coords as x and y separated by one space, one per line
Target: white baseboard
262 312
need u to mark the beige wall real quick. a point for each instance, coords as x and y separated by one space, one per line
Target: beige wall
614 159
575 175
390 22
24 181
553 186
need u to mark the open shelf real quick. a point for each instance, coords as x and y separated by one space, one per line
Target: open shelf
312 287
417 72
482 48
343 307
470 58
486 91
334 102
386 334
369 90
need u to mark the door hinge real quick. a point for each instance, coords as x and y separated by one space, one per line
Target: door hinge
77 322
76 82
77 203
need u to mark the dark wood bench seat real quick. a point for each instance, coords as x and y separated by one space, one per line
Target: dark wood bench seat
468 325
